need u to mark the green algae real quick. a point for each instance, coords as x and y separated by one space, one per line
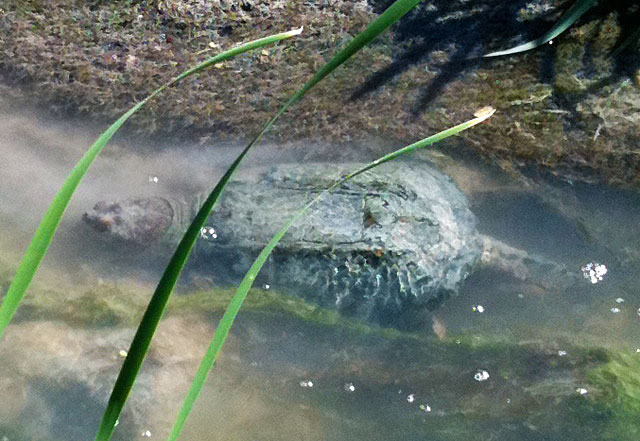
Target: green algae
104 305
263 301
611 377
571 72
568 61
108 304
614 396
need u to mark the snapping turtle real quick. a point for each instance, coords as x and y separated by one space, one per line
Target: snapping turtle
381 247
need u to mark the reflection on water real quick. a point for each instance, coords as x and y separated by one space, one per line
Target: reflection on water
594 272
504 360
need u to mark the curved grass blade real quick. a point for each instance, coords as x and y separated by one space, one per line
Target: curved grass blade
229 316
47 228
569 17
135 357
156 307
390 16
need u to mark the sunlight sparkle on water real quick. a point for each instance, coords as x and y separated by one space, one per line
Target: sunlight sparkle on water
306 383
208 233
594 272
349 387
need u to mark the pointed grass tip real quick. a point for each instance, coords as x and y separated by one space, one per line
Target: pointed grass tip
294 32
484 112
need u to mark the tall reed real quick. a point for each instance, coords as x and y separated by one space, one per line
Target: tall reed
49 224
152 315
155 310
245 285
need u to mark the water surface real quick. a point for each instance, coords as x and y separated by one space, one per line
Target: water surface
283 378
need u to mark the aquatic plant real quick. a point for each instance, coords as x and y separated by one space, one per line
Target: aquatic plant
614 388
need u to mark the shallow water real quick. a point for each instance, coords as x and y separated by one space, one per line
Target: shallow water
289 379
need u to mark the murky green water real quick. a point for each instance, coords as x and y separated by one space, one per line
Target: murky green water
513 361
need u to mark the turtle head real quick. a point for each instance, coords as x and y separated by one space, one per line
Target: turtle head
139 220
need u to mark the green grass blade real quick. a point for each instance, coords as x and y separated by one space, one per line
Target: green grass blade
152 315
569 17
229 316
157 305
47 228
390 16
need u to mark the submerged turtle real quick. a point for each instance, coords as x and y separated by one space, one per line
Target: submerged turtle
383 247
